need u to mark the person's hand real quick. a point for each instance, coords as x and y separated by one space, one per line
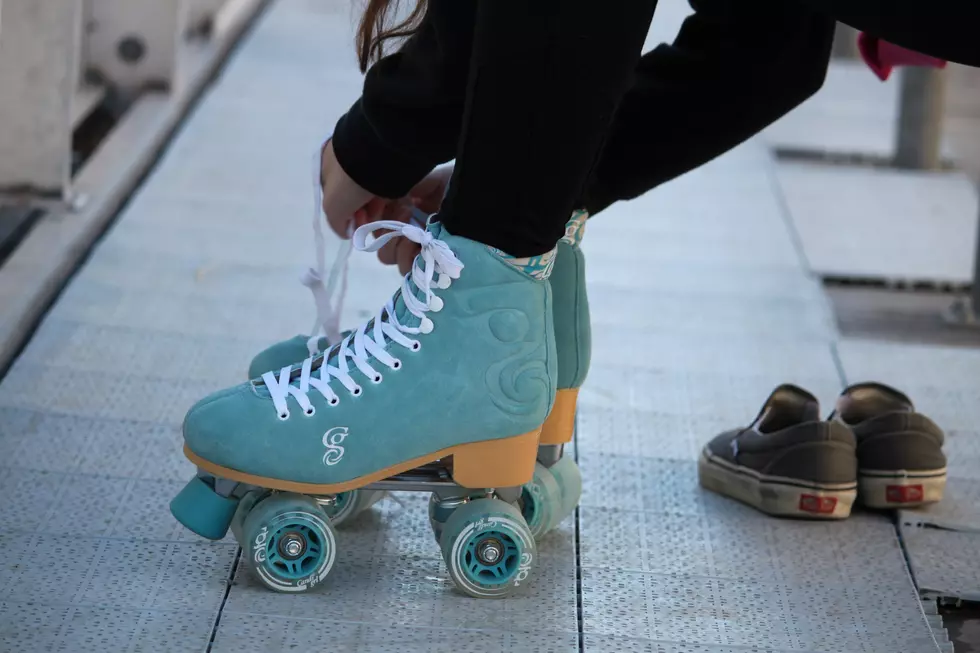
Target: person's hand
427 197
342 197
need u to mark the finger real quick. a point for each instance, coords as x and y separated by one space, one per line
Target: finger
406 253
388 254
341 218
400 211
375 208
431 201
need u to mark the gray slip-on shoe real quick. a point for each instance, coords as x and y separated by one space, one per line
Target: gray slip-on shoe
901 463
788 462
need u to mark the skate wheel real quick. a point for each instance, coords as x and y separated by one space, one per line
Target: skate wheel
288 542
488 548
569 479
202 511
350 504
541 502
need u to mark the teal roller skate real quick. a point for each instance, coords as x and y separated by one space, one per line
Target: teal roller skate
392 406
556 487
573 337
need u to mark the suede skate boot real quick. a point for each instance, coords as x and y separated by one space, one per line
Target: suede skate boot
573 339
555 491
901 463
459 367
788 462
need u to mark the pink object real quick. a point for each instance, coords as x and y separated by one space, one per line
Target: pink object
881 56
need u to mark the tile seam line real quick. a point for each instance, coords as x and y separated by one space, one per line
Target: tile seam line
220 611
778 193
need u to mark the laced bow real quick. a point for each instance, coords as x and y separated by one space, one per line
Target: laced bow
367 345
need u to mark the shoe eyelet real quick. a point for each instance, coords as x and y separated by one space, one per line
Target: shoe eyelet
426 326
416 345
357 391
436 304
396 365
310 412
377 379
334 401
283 416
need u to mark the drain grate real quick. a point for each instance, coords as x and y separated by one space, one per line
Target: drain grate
903 285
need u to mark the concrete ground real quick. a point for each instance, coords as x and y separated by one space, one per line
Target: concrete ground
702 302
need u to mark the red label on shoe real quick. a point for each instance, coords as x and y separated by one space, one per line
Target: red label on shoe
904 493
817 505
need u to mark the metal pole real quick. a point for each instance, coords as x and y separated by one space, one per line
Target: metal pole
920 118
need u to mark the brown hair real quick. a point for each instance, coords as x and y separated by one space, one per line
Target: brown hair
373 32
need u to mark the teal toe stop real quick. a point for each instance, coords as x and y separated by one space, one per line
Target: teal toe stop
202 511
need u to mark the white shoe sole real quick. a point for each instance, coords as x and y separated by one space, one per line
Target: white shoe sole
900 488
776 495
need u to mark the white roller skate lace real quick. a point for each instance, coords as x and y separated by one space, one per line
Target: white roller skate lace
368 343
327 324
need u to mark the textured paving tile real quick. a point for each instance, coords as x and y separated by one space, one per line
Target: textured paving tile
735 398
883 224
699 610
246 633
628 345
944 562
389 572
957 511
89 629
942 381
668 563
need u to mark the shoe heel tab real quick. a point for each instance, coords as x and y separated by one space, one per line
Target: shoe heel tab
837 431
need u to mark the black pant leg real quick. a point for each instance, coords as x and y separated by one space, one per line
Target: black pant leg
735 67
545 79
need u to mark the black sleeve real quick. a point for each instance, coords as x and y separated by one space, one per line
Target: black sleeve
734 68
407 120
945 29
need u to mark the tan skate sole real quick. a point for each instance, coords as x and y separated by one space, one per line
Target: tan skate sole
560 425
900 489
506 462
776 495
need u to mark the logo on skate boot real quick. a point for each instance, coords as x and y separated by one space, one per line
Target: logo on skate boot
332 440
